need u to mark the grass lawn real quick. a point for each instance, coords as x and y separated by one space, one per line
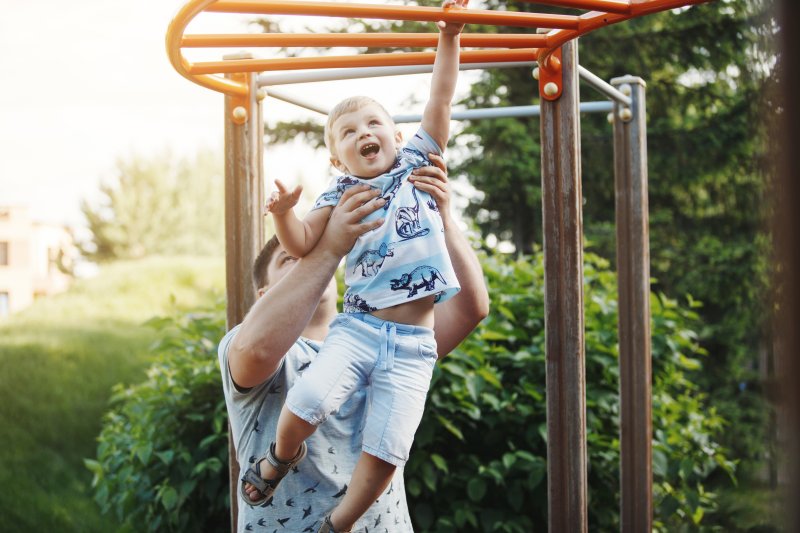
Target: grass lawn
58 361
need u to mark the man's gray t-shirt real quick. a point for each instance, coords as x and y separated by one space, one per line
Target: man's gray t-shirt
318 483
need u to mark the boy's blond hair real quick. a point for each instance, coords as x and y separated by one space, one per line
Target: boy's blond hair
348 105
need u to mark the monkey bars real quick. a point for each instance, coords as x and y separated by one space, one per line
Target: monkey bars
554 50
496 47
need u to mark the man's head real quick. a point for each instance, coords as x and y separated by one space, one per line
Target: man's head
362 137
273 263
262 265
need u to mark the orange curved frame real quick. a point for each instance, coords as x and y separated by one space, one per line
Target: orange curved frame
500 47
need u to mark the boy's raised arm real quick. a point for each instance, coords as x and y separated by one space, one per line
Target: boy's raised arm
436 117
298 237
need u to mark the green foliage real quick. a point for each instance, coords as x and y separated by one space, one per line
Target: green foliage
164 446
480 454
59 359
157 206
479 462
710 102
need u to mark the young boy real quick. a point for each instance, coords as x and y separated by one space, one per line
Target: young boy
395 274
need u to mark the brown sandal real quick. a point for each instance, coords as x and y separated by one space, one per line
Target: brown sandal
267 486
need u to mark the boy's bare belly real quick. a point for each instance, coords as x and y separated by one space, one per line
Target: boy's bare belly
417 313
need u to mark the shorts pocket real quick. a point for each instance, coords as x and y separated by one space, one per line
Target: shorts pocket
427 351
341 320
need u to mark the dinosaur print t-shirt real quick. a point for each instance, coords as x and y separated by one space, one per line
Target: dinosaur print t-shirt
406 258
315 486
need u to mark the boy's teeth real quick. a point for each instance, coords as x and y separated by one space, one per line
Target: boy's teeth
369 149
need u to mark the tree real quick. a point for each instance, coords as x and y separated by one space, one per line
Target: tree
161 205
708 70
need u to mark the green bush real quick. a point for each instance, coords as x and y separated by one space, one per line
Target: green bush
164 443
479 462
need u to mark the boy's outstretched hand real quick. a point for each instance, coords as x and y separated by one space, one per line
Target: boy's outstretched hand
452 28
281 201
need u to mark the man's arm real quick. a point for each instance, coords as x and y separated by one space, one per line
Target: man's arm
458 316
436 117
278 318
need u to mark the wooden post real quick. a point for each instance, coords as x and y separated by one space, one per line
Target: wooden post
244 225
633 264
563 258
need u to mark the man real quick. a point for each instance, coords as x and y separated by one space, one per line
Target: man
278 340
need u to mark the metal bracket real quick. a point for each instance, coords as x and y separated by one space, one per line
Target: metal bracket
551 81
240 104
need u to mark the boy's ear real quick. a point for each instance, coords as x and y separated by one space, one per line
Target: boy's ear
398 136
338 165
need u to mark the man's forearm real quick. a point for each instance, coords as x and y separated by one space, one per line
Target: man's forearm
468 269
458 316
274 323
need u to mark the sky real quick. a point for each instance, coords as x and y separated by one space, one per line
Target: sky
88 82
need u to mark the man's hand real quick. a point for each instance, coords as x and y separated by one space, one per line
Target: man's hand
452 28
345 224
281 201
433 180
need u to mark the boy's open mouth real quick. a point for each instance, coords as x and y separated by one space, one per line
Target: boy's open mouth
369 149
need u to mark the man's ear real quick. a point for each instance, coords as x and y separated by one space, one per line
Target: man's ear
338 165
260 292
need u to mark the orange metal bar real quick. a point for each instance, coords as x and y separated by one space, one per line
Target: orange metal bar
600 19
516 47
486 40
363 60
609 6
372 11
176 28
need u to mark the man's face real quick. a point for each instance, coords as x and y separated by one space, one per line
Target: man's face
281 264
365 142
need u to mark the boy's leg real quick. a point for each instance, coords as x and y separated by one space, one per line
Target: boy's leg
291 433
370 478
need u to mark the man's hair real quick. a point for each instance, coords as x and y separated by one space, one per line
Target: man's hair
262 262
348 105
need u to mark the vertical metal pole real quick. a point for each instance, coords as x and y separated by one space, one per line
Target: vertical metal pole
244 225
633 264
563 258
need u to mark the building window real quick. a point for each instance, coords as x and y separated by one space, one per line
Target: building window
3 254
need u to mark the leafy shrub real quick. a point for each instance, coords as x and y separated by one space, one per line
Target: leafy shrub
164 443
479 462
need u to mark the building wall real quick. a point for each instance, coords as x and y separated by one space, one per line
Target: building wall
29 256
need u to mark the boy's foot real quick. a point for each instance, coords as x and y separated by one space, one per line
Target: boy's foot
259 484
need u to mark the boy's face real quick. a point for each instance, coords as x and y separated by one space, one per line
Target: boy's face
365 142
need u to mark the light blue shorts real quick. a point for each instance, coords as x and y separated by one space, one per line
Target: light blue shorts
393 361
